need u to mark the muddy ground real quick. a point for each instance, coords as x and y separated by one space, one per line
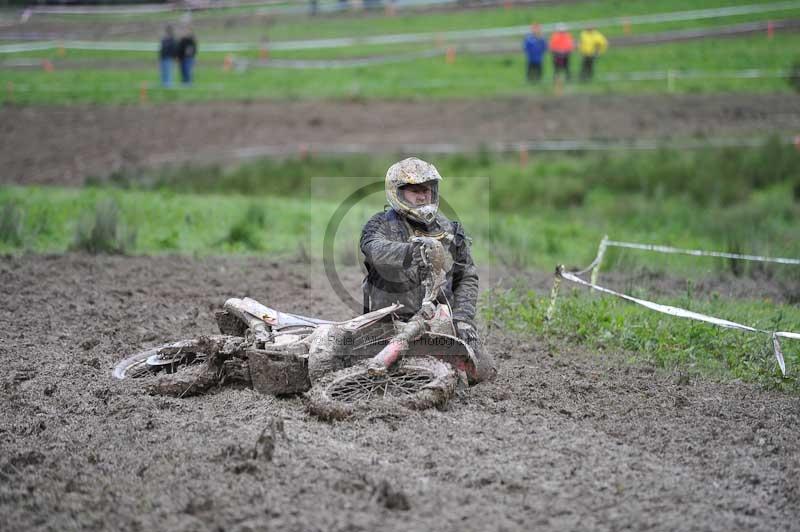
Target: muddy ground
562 440
64 145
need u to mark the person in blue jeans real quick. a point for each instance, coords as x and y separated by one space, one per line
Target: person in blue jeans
187 51
166 56
535 47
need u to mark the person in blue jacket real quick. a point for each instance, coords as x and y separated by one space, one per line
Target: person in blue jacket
535 47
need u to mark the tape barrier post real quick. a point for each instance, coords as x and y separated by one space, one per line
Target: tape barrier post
143 92
10 91
551 308
601 251
688 314
227 63
770 30
626 26
450 56
670 80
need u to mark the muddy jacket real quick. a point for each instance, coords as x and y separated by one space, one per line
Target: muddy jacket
385 243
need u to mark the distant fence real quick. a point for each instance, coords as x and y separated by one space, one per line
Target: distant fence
408 38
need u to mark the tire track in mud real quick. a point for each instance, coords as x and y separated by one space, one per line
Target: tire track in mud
563 439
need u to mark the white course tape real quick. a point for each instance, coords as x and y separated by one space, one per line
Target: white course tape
700 252
688 314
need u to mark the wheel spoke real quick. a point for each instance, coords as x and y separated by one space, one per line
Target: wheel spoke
362 387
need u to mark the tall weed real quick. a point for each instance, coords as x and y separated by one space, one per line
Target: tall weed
103 231
11 225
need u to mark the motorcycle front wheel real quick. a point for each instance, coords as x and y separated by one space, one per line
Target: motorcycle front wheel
417 383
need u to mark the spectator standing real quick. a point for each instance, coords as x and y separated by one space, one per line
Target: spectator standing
592 45
561 46
166 56
535 47
187 51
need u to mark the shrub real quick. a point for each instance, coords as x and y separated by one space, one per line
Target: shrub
246 232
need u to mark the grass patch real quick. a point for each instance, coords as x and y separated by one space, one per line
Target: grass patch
11 225
602 323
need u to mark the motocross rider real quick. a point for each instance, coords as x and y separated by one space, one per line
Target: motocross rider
392 255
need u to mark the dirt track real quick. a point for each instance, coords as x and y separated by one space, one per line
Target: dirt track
64 145
562 440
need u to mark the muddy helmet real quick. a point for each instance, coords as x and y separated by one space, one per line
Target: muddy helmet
413 171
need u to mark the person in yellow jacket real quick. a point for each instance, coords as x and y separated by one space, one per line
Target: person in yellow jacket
591 46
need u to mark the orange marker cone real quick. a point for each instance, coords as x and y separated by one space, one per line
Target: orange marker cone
47 65
263 53
626 26
227 64
770 30
143 92
450 56
506 4
61 51
523 157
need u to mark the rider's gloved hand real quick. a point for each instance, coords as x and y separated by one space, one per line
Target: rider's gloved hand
419 248
467 332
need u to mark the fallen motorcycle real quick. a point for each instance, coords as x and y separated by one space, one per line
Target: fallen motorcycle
340 366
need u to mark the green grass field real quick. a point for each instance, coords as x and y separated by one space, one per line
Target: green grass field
472 76
216 25
554 210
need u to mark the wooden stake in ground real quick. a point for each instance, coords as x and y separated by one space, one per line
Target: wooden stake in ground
523 157
626 26
143 92
559 87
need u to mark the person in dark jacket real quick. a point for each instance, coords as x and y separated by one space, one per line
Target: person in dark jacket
166 56
187 50
535 47
392 254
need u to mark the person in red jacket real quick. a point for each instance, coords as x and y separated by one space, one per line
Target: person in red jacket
561 46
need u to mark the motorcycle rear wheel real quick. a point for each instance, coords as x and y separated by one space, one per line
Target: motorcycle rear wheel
177 368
